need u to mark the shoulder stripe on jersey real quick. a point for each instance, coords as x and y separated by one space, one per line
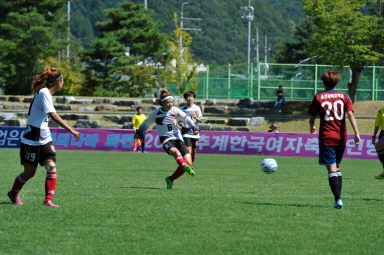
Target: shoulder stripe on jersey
30 106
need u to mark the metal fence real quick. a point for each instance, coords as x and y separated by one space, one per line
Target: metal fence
299 81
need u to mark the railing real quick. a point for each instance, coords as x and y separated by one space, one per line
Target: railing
299 81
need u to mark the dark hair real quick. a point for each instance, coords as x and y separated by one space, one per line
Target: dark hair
50 75
163 94
330 78
139 108
188 94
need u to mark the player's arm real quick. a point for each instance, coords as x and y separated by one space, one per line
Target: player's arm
133 123
312 112
352 120
376 129
56 117
312 128
377 126
198 116
147 122
188 120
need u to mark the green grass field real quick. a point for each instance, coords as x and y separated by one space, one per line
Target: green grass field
117 203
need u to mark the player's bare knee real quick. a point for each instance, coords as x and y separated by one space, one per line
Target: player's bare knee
50 166
29 171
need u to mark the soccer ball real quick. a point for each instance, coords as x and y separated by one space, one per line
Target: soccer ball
269 165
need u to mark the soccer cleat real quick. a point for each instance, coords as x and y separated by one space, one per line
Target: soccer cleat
144 151
49 203
169 182
15 199
339 204
189 169
381 176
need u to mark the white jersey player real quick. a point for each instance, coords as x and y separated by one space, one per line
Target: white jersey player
166 118
36 145
194 112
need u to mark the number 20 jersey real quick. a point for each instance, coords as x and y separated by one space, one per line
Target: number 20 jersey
331 105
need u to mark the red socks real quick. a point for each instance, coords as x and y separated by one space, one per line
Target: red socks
18 184
179 172
50 185
181 161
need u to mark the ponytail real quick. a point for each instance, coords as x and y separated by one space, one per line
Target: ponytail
163 94
50 75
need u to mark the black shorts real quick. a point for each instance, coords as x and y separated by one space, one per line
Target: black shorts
191 142
34 155
179 144
141 135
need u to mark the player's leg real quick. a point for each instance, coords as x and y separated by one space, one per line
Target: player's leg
29 156
50 182
171 149
194 149
327 157
21 179
48 159
188 143
380 152
142 138
339 156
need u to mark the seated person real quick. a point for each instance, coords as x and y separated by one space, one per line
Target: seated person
273 128
279 100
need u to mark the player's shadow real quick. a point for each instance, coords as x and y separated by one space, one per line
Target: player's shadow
283 205
371 199
5 203
137 187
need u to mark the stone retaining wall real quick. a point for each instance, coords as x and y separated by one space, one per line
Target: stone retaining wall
222 115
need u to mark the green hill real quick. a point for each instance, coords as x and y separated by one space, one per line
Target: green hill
224 33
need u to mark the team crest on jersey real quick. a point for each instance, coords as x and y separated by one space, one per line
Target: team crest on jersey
53 148
174 116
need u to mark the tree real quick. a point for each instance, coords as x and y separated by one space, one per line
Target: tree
183 72
30 31
346 36
129 38
73 78
297 49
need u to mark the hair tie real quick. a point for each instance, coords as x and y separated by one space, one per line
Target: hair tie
166 98
53 80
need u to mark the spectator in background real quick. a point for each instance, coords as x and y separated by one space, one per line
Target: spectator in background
137 119
273 128
279 100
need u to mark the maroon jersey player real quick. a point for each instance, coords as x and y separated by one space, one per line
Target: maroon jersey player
332 106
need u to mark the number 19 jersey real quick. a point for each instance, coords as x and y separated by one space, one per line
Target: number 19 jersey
331 105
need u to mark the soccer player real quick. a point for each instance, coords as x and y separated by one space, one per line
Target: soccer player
379 124
332 105
194 112
36 145
166 118
137 120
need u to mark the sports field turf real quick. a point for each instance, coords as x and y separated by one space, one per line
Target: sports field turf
117 203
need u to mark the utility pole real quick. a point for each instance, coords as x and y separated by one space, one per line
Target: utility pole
257 48
145 4
69 27
182 18
265 55
248 15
